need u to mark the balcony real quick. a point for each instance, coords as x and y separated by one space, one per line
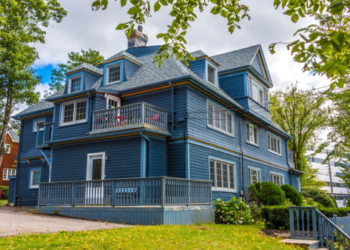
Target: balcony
139 115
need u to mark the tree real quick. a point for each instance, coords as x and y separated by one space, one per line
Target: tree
58 76
21 26
301 113
310 179
323 48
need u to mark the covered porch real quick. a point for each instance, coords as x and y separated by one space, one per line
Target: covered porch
147 201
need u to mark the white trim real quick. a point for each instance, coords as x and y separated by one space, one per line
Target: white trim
35 125
209 64
248 133
120 73
88 166
212 126
32 178
259 174
228 163
277 174
269 143
70 83
74 112
7 173
7 144
114 98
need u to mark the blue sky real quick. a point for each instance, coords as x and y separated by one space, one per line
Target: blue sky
44 71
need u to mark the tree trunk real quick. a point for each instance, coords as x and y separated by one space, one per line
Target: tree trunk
6 122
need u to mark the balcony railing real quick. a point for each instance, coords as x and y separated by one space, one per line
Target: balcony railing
157 191
128 117
290 158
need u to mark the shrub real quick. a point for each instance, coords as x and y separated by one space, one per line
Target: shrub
319 196
4 192
334 202
292 194
309 202
266 193
234 211
348 203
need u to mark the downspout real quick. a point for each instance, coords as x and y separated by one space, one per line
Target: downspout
172 107
186 155
242 155
149 153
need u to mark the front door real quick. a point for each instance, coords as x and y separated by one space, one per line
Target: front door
94 188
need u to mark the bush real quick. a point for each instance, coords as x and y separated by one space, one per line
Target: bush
4 192
348 203
319 196
234 211
334 202
292 194
309 202
266 193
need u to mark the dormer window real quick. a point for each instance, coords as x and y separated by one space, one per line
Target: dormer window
74 84
211 74
113 74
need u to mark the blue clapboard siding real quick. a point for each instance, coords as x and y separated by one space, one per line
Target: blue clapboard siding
10 198
233 85
99 102
258 109
257 65
293 179
199 67
89 79
28 140
129 69
158 166
176 160
225 196
70 162
28 196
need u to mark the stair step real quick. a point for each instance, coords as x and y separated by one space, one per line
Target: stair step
308 244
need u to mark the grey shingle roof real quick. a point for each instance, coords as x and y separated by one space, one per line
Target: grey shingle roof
236 59
14 136
123 53
87 66
198 53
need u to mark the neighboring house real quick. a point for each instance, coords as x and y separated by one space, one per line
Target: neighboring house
9 165
329 172
126 118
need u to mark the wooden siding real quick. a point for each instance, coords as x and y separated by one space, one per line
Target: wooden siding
158 166
257 65
224 196
233 85
124 161
258 109
176 160
129 69
199 67
99 102
89 79
11 194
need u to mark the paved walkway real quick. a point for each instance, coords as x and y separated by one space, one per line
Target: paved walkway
17 221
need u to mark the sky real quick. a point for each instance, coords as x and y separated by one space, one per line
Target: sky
84 29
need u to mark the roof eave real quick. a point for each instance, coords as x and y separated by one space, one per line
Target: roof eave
52 99
37 112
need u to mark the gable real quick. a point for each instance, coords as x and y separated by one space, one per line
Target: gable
257 64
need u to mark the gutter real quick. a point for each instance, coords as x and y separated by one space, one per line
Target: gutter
149 154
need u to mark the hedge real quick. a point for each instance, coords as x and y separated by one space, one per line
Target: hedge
348 203
319 196
278 217
266 193
292 194
4 192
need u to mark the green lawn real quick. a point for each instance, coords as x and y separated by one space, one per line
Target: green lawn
151 237
3 202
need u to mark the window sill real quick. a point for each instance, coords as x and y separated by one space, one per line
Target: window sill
253 144
71 124
224 190
275 153
34 187
219 130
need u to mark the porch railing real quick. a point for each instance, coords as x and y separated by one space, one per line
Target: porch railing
129 116
309 223
157 191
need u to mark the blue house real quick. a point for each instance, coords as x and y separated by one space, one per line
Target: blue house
128 142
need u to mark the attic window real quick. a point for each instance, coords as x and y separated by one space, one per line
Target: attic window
113 74
211 75
75 84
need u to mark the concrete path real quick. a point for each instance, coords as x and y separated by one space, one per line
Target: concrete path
17 221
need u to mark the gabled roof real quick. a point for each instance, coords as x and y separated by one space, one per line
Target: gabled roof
200 54
121 55
87 66
14 136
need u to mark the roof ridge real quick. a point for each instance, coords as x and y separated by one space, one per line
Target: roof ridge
236 50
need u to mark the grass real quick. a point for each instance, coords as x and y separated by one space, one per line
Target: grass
3 202
151 237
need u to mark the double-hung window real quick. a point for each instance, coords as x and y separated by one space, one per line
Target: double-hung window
252 134
8 172
34 178
220 119
211 75
74 84
113 102
274 144
113 75
37 124
7 148
255 93
73 112
277 179
254 175
222 174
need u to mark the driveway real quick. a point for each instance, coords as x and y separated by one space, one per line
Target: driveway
17 221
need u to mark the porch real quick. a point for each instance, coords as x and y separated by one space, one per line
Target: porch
147 201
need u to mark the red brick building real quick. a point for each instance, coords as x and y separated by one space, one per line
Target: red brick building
8 165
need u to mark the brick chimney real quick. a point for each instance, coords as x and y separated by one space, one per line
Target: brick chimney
137 38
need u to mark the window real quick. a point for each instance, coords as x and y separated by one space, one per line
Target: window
222 174
255 93
274 144
261 93
113 74
298 185
75 84
34 178
211 75
113 102
73 112
7 148
219 119
252 133
254 175
39 123
8 172
95 166
277 179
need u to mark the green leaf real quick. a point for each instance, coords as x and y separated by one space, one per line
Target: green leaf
104 4
157 6
295 18
96 4
183 33
134 10
276 3
122 26
123 2
284 2
337 8
336 5
301 13
173 13
303 37
160 35
313 36
316 6
215 10
164 2
231 29
272 48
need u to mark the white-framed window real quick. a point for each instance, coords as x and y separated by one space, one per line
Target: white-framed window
274 144
74 84
223 174
211 74
254 175
73 112
95 169
252 134
261 95
277 179
220 119
113 74
8 172
7 148
34 178
255 93
113 102
39 123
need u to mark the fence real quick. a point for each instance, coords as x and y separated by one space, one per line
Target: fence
157 191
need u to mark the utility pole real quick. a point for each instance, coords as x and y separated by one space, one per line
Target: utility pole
330 175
